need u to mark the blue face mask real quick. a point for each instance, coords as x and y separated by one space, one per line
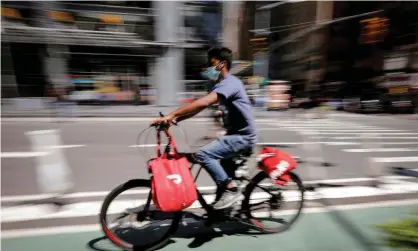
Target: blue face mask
211 73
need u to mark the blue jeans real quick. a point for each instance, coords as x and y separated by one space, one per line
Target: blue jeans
223 148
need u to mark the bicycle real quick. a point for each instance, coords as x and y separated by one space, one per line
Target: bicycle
243 212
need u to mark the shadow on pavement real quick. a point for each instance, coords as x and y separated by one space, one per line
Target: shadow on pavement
195 230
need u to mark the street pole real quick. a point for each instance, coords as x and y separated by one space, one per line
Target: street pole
167 73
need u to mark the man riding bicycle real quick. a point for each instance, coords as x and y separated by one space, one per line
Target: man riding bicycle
241 134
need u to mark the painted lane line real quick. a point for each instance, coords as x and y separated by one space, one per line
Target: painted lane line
110 119
396 159
35 154
21 198
22 233
352 130
373 137
23 154
84 209
380 143
269 129
303 124
331 143
146 145
321 127
356 133
380 150
66 146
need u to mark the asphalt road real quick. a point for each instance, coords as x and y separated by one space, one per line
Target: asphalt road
103 153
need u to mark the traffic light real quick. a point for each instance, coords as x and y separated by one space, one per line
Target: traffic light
374 30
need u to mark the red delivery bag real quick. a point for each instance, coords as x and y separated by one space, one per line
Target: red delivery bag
276 164
172 184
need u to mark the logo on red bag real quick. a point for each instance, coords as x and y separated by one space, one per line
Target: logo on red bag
262 156
281 168
175 177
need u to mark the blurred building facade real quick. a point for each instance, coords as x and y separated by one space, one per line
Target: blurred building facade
311 43
108 51
132 50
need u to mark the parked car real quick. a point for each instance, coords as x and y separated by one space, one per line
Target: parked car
351 104
336 104
401 104
371 103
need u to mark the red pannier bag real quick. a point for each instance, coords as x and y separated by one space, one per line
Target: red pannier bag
172 184
276 164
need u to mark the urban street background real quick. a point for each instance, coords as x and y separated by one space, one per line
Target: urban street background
333 83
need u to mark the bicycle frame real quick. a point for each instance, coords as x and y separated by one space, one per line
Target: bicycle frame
212 214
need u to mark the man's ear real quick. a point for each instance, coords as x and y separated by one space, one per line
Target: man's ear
222 65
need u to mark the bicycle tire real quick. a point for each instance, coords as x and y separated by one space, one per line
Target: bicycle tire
136 183
246 203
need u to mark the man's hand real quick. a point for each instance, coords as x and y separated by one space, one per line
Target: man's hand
168 119
189 110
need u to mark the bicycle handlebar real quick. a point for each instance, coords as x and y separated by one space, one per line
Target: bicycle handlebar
164 125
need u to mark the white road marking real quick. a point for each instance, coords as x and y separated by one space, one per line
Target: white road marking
344 131
269 129
279 143
380 150
84 209
356 133
22 154
41 132
304 124
21 233
380 143
145 145
336 143
396 159
35 154
104 119
331 143
21 198
66 146
374 137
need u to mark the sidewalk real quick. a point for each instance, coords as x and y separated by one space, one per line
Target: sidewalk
153 111
115 111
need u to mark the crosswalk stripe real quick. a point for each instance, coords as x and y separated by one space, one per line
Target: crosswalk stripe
380 150
22 154
357 133
83 209
22 198
22 233
396 159
374 137
344 131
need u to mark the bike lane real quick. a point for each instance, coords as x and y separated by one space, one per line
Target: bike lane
343 230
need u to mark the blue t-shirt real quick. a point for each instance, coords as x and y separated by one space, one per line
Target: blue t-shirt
232 95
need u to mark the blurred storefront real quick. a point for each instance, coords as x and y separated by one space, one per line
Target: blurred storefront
110 52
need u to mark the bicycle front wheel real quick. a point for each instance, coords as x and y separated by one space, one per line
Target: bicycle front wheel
137 223
272 208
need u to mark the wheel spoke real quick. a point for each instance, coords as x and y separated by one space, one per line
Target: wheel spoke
127 227
266 211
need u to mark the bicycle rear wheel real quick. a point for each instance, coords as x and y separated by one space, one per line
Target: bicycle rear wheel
256 202
162 225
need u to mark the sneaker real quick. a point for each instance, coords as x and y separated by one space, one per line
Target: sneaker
228 198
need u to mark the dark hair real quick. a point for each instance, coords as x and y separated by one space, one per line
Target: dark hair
222 54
